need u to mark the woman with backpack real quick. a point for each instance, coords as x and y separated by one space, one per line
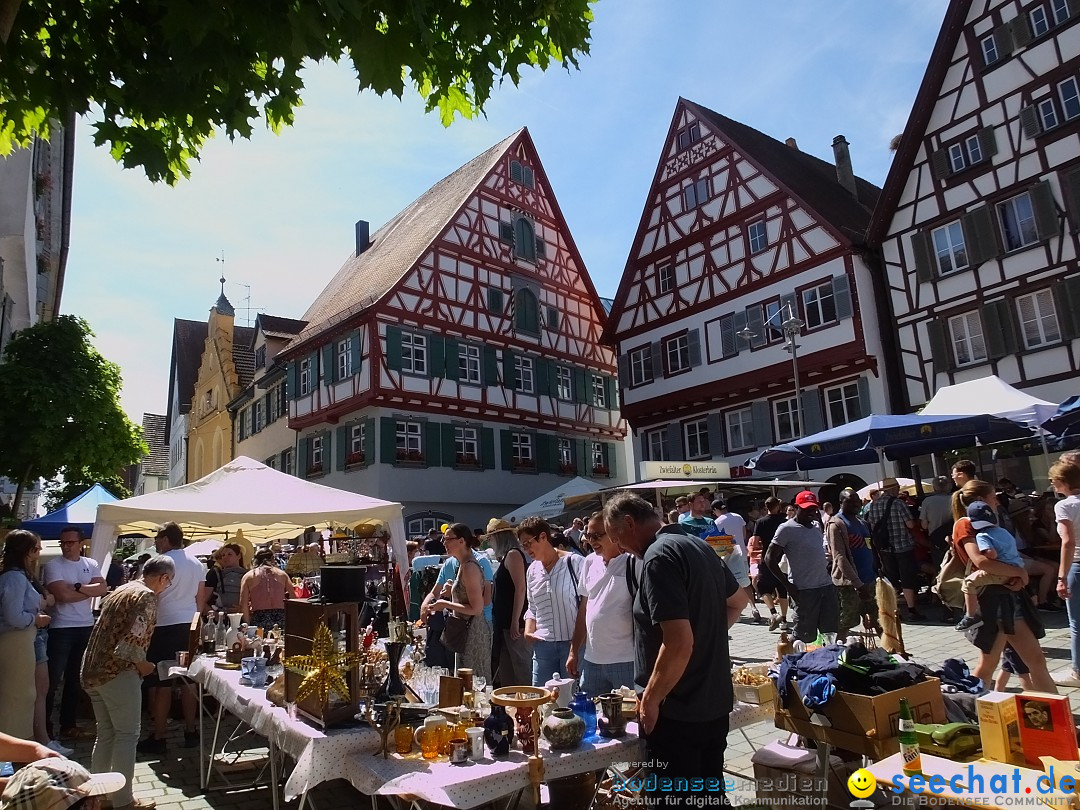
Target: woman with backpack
224 578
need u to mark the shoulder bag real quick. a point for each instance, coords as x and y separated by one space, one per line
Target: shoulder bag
455 634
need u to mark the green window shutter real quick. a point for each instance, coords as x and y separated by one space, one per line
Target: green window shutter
583 454
581 386
693 343
544 452
506 232
1047 222
611 456
1021 30
357 352
864 395
436 356
979 237
922 252
763 424
1030 123
268 417
939 162
755 322
542 376
342 439
393 348
509 376
432 443
449 444
810 410
610 390
369 440
1003 38
940 345
495 300
487 448
999 328
987 142
491 366
1070 188
293 384
841 285
507 449
714 424
451 352
388 440
1067 306
329 367
303 457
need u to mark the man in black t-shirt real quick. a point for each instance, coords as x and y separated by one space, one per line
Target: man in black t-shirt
685 600
767 585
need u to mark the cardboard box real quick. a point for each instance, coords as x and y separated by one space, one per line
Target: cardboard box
877 716
876 749
757 695
999 729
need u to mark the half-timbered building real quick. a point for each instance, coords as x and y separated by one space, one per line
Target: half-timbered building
741 234
979 215
454 362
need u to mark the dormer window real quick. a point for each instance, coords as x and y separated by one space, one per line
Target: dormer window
688 136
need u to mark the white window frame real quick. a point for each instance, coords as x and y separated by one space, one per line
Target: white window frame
469 364
356 438
967 346
757 235
305 377
954 246
1059 10
1039 18
677 352
565 450
956 157
655 441
260 415
409 437
1011 208
596 450
1047 327
344 359
414 348
847 397
786 409
989 50
521 448
688 136
1070 99
695 194
773 332
524 379
665 277
1048 113
739 429
467 442
640 364
316 452
814 305
696 439
564 383
599 391
973 149
288 463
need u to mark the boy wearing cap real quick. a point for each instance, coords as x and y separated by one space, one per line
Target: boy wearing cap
58 784
810 585
997 544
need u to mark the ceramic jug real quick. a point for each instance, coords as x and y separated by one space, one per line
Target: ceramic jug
563 730
232 634
612 721
431 735
564 687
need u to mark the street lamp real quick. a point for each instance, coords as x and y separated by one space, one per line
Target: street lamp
791 326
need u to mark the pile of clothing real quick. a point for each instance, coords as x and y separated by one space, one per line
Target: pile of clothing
819 673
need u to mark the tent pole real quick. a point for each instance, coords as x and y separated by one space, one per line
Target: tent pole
933 462
1046 454
881 462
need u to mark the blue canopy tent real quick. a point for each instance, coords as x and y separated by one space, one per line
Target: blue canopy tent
863 441
1067 418
80 511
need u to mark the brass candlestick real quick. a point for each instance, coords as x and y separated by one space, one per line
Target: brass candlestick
390 722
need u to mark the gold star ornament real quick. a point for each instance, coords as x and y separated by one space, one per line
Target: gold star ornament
324 669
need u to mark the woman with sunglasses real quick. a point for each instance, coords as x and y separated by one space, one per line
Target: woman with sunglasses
21 615
467 601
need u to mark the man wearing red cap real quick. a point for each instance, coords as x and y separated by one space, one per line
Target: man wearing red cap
809 583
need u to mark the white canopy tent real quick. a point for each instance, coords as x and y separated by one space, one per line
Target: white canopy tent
993 396
244 495
552 503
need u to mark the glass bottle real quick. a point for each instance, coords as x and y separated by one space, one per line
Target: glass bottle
909 742
209 635
584 708
220 631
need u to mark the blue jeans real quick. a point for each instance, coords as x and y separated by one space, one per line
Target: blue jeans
548 657
66 646
118 713
596 679
1073 605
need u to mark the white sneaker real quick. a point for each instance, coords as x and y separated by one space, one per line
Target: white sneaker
62 750
1066 677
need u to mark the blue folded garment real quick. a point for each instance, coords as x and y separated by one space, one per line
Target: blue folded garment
817 690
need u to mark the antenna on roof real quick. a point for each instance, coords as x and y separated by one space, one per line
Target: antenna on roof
247 308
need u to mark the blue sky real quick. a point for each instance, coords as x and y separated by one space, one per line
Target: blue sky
282 208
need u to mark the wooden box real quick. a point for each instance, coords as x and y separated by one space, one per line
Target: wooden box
302 618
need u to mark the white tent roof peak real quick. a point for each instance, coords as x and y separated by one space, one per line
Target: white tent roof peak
989 395
551 504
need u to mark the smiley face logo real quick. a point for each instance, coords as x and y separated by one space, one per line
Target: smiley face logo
861 783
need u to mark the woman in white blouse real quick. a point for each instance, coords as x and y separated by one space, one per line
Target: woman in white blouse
552 586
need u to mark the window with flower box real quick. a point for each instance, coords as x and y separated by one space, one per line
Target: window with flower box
357 442
466 447
565 450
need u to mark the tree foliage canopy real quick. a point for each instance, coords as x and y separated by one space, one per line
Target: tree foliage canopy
59 406
166 74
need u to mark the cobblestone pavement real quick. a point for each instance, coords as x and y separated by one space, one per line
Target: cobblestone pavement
173 781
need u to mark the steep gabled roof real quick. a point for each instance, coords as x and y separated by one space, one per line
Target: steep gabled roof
397 245
154 430
188 340
915 129
810 179
276 326
243 354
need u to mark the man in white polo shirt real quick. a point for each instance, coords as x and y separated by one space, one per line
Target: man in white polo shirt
605 617
74 580
176 607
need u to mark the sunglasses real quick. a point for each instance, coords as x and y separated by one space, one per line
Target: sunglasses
590 536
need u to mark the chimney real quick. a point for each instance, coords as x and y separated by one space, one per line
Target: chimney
844 175
791 142
363 241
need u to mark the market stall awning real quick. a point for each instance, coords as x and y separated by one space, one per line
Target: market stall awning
993 396
552 504
80 511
